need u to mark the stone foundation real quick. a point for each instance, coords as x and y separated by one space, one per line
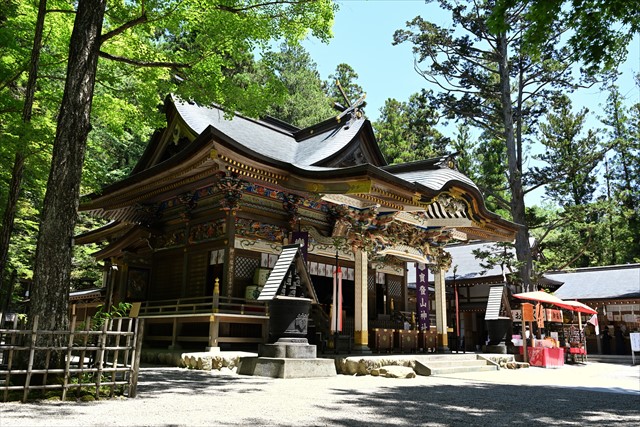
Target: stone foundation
286 368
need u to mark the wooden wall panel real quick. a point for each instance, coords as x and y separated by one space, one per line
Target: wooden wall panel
196 274
166 275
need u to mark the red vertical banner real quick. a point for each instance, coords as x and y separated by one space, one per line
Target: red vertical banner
422 296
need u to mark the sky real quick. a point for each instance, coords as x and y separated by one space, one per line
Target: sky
363 35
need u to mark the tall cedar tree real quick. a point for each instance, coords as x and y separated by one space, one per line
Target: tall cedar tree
600 30
570 173
623 173
490 81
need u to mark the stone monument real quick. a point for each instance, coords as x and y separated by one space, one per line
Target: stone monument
288 353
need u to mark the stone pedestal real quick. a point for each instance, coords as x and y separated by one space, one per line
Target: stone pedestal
496 349
289 355
288 349
287 368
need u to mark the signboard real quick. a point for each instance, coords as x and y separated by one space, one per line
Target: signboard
301 238
422 297
527 312
554 315
635 345
516 315
539 316
635 341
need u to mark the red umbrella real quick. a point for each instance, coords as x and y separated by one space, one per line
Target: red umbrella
541 297
578 306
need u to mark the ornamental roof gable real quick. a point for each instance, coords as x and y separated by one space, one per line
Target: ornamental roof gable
331 143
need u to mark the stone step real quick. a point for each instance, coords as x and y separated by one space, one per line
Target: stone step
460 369
450 367
447 357
448 363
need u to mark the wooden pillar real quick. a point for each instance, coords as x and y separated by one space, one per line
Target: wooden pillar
214 333
361 332
174 334
214 323
441 310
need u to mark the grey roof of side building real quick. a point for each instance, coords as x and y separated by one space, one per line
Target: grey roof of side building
435 178
608 282
467 266
266 138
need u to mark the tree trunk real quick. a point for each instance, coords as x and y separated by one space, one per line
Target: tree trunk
18 164
10 214
523 249
53 254
35 60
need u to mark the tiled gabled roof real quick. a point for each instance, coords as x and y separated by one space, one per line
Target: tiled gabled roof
271 140
609 282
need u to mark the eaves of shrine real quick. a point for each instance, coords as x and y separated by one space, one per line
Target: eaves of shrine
336 160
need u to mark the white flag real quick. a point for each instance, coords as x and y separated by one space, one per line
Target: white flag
594 322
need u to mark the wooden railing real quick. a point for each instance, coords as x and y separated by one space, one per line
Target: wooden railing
183 307
215 310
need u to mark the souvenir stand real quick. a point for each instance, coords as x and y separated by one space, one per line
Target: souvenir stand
545 352
574 334
562 340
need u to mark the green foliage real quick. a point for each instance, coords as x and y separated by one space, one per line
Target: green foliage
490 155
571 160
304 102
623 173
406 131
601 30
347 77
500 254
588 231
120 310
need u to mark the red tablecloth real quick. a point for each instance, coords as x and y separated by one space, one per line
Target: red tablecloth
545 357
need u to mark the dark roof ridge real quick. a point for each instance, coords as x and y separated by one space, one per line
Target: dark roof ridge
276 121
420 164
328 124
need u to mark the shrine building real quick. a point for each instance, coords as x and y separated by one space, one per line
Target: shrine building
197 226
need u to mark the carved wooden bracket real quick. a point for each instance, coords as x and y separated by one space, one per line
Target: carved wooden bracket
231 188
291 203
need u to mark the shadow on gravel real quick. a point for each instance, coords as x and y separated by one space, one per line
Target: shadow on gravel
186 381
487 404
353 402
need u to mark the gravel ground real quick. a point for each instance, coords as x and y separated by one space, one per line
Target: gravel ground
591 394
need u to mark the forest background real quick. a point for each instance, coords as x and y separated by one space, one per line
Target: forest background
473 68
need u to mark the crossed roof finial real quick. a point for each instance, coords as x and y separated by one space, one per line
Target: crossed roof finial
354 110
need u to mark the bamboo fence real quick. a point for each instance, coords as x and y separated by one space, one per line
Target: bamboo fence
103 360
